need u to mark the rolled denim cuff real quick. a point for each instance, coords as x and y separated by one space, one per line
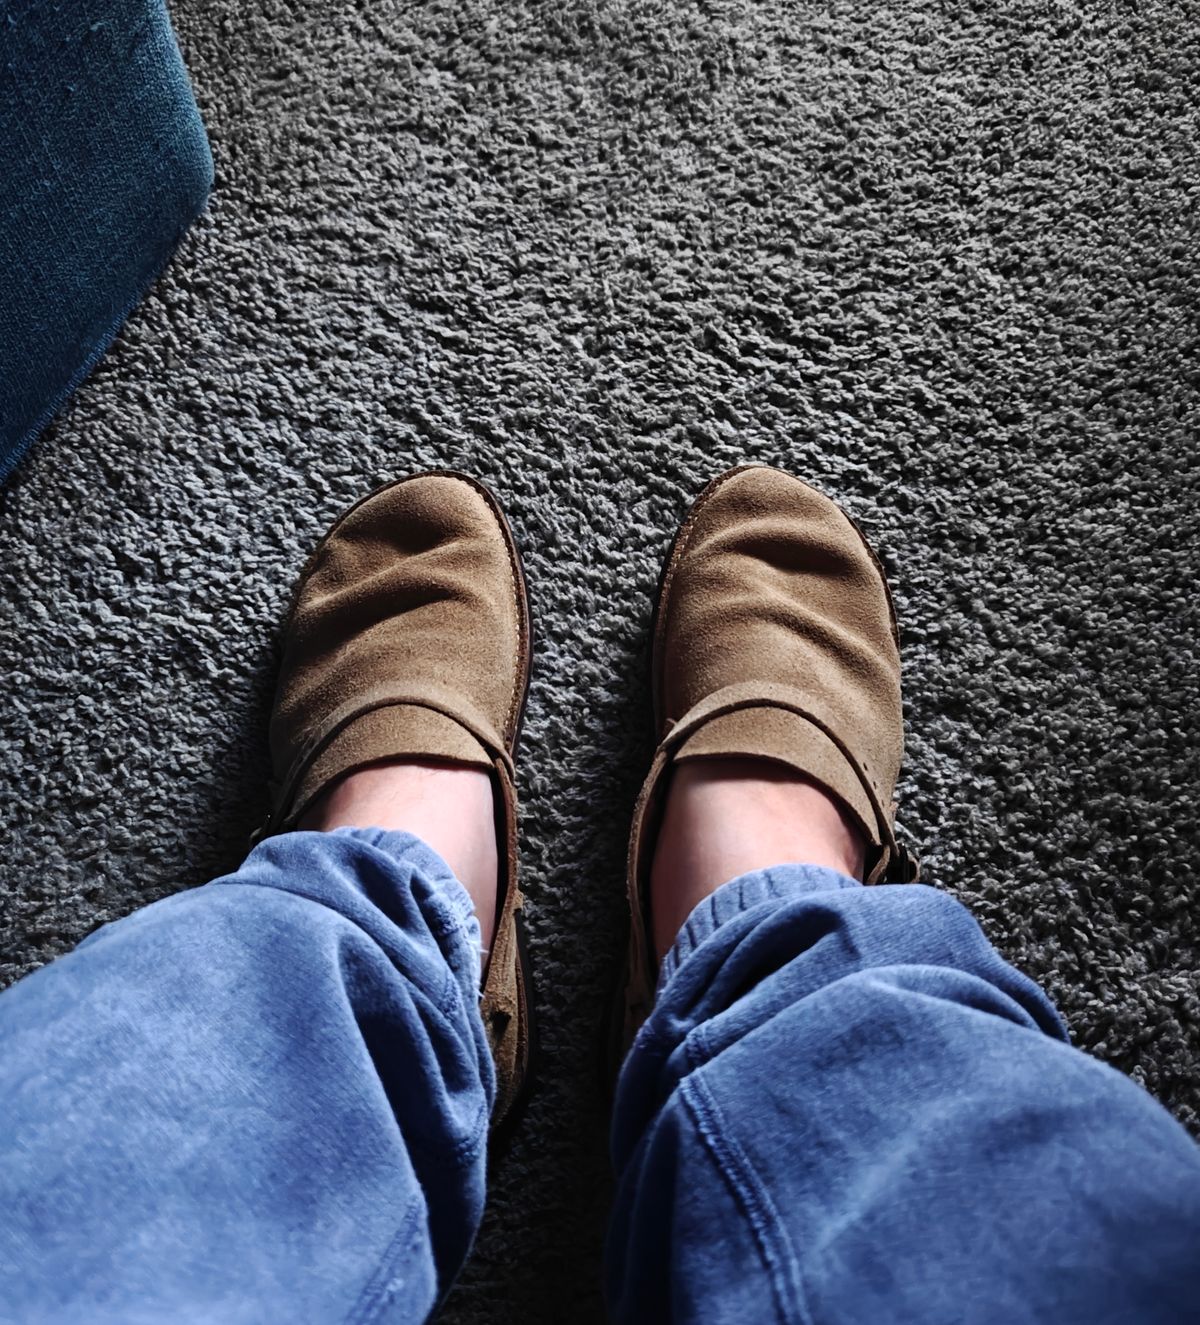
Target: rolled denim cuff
777 883
455 916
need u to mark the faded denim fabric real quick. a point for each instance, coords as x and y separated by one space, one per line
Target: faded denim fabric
261 1100
846 1107
266 1099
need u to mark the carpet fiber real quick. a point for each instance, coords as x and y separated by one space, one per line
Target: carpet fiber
940 261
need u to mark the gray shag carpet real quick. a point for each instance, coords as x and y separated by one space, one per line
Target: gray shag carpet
942 261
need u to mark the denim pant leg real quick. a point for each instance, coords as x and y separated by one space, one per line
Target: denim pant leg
262 1100
845 1107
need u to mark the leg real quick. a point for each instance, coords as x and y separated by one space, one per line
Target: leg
260 1100
269 1098
846 1107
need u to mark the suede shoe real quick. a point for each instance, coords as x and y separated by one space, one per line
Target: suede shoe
409 638
774 637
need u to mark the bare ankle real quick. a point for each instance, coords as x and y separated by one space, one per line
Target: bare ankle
726 817
449 807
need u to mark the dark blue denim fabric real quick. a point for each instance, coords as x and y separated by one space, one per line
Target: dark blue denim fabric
103 166
266 1100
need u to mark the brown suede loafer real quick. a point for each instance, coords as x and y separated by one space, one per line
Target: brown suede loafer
774 637
409 638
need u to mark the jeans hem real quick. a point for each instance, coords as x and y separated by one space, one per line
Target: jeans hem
777 883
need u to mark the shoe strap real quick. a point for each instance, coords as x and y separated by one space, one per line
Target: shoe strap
423 694
889 862
769 694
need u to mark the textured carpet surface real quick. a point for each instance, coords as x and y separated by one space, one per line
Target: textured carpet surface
942 261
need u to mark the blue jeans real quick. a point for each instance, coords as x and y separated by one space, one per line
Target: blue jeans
267 1099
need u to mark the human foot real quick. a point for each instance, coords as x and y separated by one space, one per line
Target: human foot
450 807
774 642
725 817
405 667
